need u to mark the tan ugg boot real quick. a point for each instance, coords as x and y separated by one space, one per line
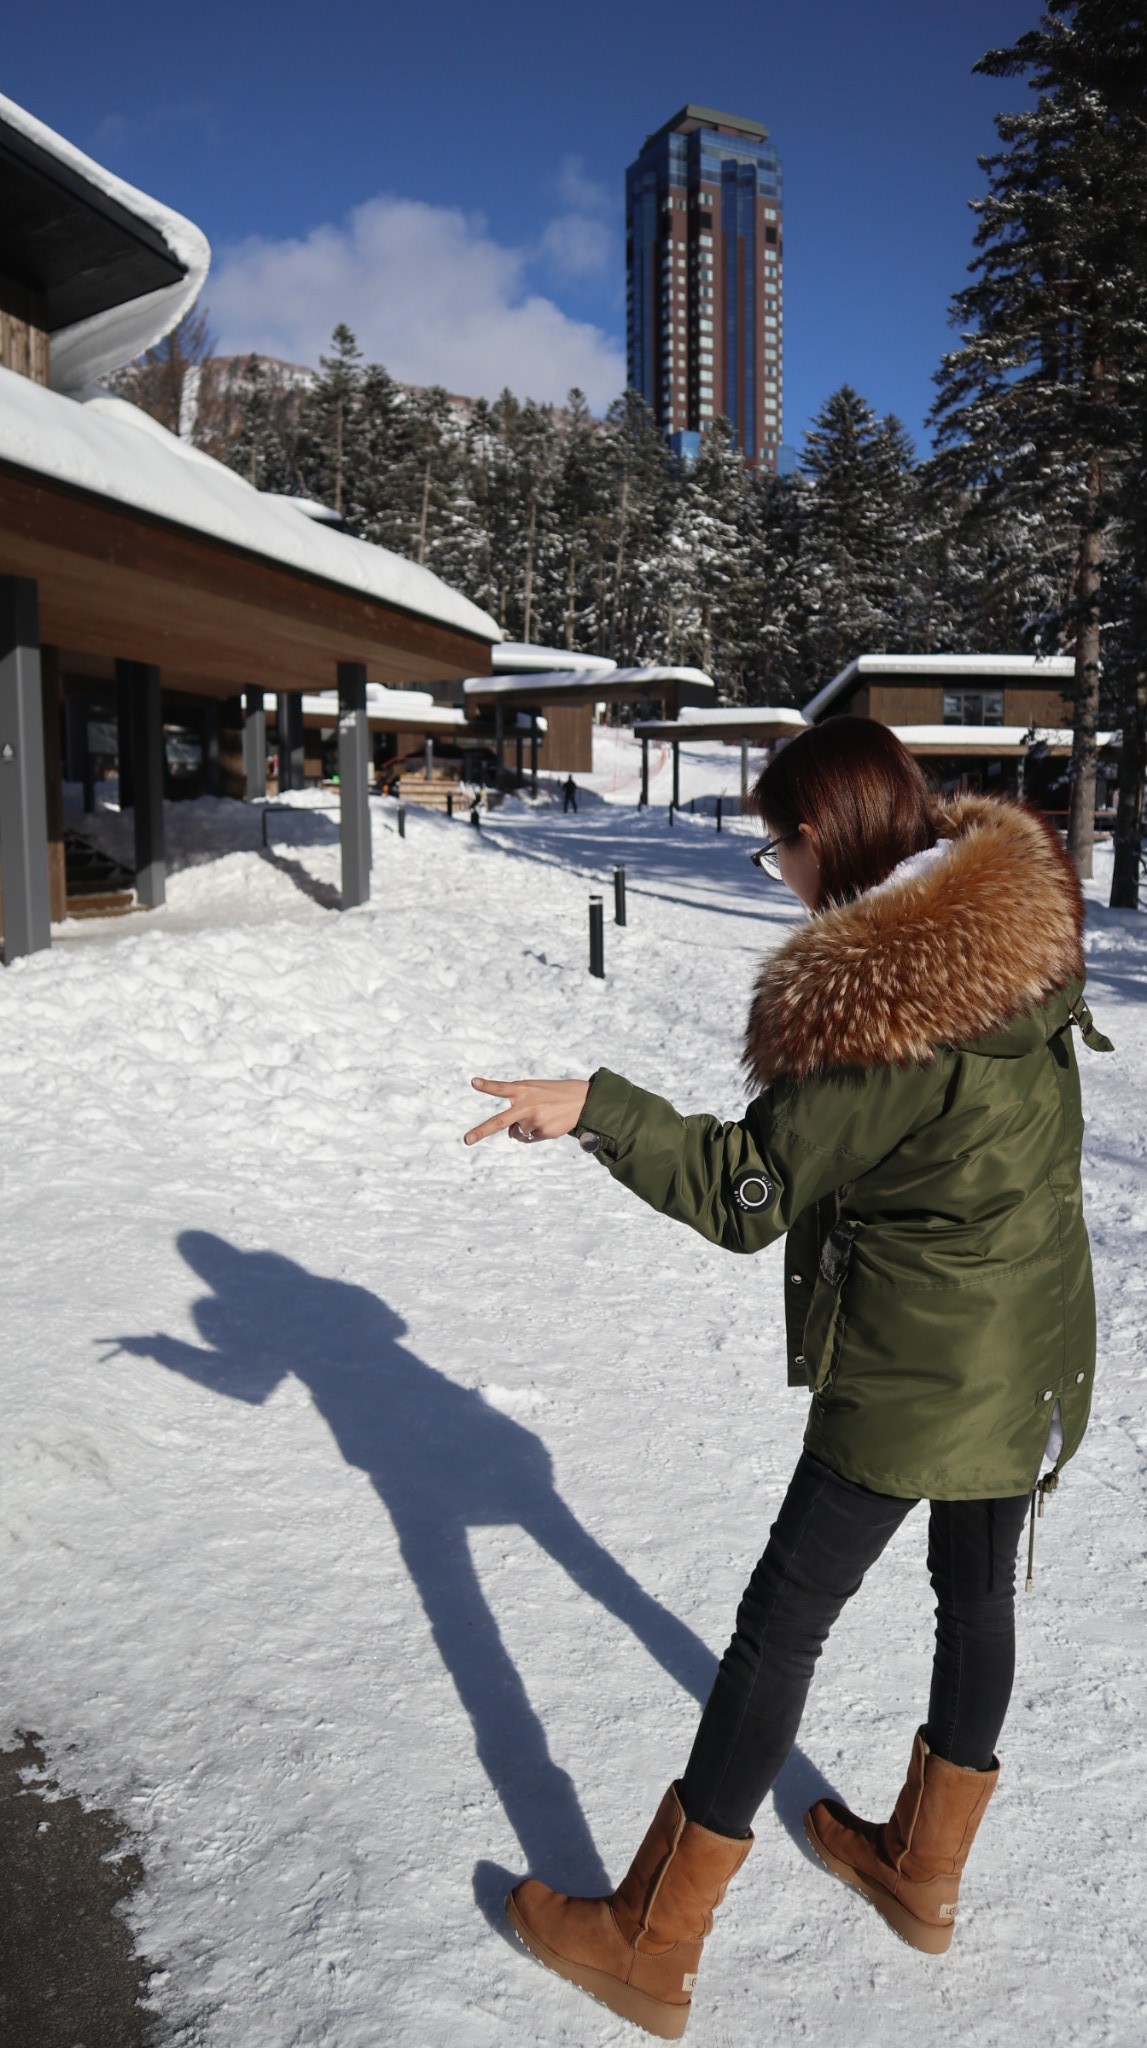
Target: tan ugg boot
910 1866
639 1949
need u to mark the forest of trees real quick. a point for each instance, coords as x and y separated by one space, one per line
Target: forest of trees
1026 529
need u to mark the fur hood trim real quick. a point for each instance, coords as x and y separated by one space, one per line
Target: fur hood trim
954 945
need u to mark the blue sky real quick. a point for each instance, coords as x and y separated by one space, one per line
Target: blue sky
449 179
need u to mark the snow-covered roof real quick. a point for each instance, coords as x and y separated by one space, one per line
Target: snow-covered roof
642 677
927 667
524 685
742 716
103 342
105 445
609 680
992 739
521 657
416 707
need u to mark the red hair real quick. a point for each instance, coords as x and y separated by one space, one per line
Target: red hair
863 794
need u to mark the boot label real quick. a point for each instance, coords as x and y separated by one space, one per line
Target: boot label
689 1981
947 1912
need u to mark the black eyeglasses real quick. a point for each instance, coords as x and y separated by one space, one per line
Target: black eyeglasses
765 857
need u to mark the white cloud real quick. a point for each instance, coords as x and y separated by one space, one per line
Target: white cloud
428 292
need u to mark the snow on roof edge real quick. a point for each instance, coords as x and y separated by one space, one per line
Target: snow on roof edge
92 348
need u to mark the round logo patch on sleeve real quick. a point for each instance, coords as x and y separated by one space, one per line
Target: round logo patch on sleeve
753 1191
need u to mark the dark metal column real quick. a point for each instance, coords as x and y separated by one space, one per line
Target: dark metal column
292 759
212 766
146 703
645 771
123 737
533 753
77 755
255 743
354 800
23 805
499 742
676 775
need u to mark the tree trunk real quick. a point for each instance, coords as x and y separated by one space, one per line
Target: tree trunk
1126 873
425 514
619 562
1081 816
571 594
528 593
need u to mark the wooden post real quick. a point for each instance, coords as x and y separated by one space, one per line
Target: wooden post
428 758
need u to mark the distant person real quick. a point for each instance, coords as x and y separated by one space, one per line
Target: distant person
916 1132
569 796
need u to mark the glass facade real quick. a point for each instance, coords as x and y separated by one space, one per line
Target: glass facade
705 259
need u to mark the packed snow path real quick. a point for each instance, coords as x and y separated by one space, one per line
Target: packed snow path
374 1509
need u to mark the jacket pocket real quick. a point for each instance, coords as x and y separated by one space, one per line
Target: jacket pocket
824 1329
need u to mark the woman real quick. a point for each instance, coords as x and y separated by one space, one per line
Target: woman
915 1136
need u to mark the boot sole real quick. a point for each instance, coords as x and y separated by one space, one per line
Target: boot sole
668 2022
931 1941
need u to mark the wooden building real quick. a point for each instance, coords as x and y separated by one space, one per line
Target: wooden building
137 574
998 722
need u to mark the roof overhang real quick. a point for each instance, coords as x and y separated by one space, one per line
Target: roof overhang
758 724
103 268
116 581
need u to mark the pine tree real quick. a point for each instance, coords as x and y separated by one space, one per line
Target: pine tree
853 564
1033 405
164 381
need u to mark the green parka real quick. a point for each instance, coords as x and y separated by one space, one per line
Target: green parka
916 1140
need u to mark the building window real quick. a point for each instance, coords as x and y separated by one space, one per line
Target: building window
973 707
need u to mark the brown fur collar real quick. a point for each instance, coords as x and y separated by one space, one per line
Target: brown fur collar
949 953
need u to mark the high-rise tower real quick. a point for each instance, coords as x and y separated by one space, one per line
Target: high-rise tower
705 262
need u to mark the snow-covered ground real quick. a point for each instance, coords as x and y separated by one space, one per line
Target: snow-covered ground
373 1510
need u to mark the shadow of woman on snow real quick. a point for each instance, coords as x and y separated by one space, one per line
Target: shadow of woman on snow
442 1461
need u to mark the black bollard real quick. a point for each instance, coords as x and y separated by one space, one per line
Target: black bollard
671 813
596 938
450 803
719 803
475 817
619 895
402 821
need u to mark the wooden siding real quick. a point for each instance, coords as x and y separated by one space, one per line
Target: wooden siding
922 703
24 348
566 747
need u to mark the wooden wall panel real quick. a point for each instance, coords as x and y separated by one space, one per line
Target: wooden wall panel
566 747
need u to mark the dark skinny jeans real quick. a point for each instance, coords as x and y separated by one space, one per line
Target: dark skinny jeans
829 1531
